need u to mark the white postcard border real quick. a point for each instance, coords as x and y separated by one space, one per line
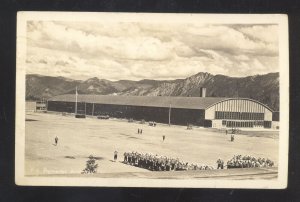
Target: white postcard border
280 19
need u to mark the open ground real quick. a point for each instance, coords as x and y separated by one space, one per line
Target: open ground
79 138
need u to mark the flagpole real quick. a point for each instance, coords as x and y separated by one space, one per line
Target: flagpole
76 101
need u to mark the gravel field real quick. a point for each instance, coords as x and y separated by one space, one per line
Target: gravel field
79 138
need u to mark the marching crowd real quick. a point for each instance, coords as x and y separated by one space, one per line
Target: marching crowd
163 163
160 163
248 161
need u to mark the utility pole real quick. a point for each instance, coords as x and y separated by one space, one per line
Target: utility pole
237 87
93 109
93 105
170 115
76 94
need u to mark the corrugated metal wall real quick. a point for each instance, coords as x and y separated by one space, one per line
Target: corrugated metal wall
233 109
158 114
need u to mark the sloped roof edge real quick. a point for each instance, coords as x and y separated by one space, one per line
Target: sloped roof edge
151 101
148 101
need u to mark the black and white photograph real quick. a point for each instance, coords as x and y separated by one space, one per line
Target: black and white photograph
152 100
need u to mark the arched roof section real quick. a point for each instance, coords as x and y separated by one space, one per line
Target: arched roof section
248 99
147 101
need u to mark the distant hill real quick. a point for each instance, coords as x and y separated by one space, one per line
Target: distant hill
264 88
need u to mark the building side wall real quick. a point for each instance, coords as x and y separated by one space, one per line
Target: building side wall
56 106
268 115
275 116
275 125
158 114
210 113
216 124
239 113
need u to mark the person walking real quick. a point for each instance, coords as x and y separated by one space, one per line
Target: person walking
164 137
115 155
56 140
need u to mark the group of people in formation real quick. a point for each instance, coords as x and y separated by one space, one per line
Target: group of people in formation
160 163
239 161
164 163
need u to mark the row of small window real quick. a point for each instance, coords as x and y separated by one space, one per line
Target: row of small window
239 115
245 124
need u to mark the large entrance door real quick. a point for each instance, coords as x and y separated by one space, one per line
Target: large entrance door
238 124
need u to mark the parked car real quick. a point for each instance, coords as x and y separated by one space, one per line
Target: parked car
103 117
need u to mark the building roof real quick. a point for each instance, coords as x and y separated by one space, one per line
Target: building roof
148 101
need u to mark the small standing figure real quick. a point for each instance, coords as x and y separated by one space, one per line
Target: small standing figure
138 131
220 163
115 155
141 131
164 137
226 132
232 137
56 140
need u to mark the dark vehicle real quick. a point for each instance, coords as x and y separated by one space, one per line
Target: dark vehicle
152 123
80 116
103 117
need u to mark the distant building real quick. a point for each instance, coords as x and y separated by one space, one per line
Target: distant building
34 106
213 112
41 105
30 106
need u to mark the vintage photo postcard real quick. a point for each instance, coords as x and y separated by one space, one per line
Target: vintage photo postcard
152 100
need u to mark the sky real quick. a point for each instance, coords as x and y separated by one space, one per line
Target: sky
136 50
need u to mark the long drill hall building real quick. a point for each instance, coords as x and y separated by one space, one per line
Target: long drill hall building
213 112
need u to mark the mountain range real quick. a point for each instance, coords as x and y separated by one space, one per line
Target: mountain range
264 88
